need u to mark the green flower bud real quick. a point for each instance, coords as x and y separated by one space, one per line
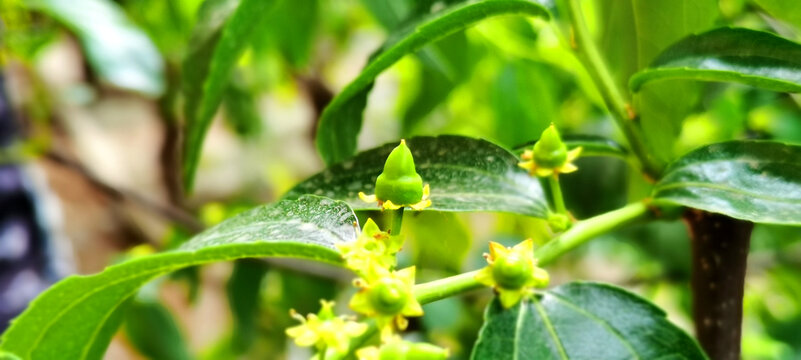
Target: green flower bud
550 151
389 296
399 182
512 271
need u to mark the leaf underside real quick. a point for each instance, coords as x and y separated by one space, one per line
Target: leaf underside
71 319
758 181
341 120
465 174
582 321
738 55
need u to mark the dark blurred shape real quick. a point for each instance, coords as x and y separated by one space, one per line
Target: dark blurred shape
25 262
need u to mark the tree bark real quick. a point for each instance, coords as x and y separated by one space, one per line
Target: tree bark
719 254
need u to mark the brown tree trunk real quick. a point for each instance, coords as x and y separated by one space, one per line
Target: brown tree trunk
720 251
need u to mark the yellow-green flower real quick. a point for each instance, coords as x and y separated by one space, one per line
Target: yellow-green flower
388 296
399 185
373 246
549 156
513 272
324 329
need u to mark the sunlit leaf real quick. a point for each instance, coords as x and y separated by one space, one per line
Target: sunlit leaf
341 120
744 56
70 320
220 36
464 174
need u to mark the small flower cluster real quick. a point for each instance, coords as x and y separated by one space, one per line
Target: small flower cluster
512 272
385 294
324 329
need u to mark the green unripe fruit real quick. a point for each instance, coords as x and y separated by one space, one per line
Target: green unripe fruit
399 182
389 296
550 151
512 271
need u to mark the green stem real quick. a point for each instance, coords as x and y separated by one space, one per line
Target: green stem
556 192
580 233
397 222
610 92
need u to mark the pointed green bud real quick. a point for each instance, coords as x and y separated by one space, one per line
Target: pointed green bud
550 151
399 182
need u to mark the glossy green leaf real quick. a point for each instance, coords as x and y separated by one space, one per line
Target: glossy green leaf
592 145
738 55
758 181
582 321
341 120
464 174
220 36
118 51
69 320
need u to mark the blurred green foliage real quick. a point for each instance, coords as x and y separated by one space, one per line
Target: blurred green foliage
505 80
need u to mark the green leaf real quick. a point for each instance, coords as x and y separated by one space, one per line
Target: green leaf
68 321
244 290
663 106
788 11
464 174
758 181
118 51
592 146
582 321
151 328
341 120
523 98
290 28
241 110
220 36
738 55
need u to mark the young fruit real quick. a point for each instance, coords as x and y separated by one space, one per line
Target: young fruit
399 182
